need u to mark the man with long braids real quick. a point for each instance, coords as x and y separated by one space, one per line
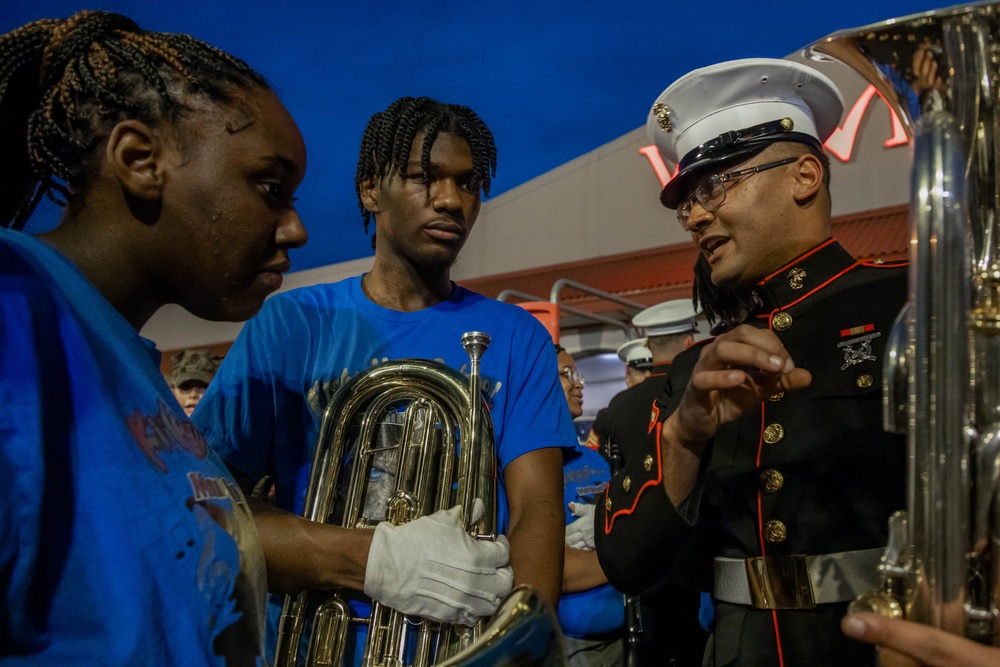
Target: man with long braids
123 538
422 170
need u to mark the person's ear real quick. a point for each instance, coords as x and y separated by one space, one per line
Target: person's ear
369 192
135 156
808 178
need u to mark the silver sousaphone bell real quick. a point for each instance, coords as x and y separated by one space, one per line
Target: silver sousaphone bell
939 73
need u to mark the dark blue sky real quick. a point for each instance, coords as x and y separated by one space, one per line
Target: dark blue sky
553 80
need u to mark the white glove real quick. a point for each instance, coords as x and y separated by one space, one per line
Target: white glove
580 533
431 567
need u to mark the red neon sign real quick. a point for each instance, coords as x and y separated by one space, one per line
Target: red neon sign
840 144
659 166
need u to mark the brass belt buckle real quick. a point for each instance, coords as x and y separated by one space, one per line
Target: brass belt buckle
780 582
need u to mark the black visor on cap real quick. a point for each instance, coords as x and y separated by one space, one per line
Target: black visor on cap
683 184
732 147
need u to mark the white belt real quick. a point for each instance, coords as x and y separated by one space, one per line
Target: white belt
797 581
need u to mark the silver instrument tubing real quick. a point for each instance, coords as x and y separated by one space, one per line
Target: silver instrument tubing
942 379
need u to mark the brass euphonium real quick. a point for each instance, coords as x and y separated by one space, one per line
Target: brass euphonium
407 420
940 72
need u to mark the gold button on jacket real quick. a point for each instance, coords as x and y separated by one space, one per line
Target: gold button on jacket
771 480
773 433
775 531
781 321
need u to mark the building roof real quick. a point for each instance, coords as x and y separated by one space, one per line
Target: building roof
657 274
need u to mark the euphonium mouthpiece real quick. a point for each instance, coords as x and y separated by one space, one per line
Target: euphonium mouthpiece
475 343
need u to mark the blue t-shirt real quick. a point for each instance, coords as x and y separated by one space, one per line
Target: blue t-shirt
600 609
263 410
123 538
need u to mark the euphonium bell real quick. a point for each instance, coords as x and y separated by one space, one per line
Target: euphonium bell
939 72
524 631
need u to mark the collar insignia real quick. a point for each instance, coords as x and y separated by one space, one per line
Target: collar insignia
795 277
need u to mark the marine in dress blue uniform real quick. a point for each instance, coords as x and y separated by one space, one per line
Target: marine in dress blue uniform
786 516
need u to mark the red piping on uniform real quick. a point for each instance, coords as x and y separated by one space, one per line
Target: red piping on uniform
799 259
608 525
893 264
812 291
760 532
868 262
777 637
760 515
654 417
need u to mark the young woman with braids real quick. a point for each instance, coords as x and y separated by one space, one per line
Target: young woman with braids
123 538
422 171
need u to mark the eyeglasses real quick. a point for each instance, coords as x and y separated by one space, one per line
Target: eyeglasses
574 376
711 192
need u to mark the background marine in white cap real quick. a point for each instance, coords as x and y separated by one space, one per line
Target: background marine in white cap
766 452
637 359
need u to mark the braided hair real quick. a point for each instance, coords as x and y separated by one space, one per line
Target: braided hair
725 304
389 135
66 83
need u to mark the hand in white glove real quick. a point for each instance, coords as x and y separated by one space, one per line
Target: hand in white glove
580 533
431 567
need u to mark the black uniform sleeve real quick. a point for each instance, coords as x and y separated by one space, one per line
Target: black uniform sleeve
640 536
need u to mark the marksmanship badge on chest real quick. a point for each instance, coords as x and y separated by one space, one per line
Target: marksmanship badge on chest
859 348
